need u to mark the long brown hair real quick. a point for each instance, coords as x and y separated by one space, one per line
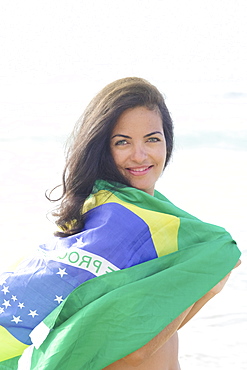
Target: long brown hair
89 157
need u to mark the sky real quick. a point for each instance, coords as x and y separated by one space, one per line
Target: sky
178 45
192 40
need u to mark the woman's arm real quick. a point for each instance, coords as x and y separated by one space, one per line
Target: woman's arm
199 304
139 356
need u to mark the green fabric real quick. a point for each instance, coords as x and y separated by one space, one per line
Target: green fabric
11 364
110 316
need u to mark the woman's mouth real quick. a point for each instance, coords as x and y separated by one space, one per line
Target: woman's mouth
139 171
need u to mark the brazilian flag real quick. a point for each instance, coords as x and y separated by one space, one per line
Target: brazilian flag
85 301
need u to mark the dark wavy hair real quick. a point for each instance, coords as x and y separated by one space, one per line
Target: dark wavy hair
88 155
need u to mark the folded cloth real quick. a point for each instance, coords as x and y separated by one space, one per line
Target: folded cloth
135 295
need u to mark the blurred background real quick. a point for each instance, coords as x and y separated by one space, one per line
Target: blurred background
55 55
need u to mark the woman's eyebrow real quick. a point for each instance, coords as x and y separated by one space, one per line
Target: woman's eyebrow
129 137
120 135
153 133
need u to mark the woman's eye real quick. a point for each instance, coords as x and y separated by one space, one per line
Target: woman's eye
153 139
121 142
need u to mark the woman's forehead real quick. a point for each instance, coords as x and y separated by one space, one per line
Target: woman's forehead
138 119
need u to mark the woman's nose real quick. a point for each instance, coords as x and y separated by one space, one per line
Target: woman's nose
139 154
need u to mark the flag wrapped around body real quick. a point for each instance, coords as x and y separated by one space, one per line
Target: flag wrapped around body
104 319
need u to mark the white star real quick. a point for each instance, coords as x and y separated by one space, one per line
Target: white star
59 299
79 243
1 310
21 305
14 298
5 289
6 304
62 272
16 319
33 313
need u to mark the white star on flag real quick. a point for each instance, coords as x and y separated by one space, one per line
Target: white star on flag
21 305
79 243
33 313
62 272
1 310
14 298
59 299
5 289
6 304
16 319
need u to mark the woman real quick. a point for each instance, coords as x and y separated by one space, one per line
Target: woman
126 136
111 218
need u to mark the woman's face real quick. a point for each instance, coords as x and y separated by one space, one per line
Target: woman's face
138 147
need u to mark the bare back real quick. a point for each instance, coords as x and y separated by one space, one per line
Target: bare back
166 358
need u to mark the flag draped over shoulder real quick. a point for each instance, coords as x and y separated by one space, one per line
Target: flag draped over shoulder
66 320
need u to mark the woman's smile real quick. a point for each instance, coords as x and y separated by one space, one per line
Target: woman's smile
139 171
138 147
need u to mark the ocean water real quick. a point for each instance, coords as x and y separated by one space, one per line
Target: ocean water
206 177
